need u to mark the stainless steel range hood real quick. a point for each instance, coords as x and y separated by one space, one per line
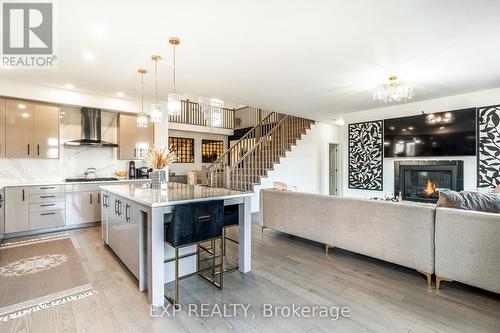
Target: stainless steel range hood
91 130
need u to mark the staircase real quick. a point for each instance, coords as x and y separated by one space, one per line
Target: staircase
246 162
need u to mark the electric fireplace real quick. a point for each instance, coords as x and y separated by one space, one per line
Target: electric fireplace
423 180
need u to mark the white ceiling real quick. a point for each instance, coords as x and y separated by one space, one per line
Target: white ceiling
313 58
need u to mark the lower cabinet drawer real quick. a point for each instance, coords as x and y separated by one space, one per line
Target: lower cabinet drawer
47 197
47 206
40 220
46 189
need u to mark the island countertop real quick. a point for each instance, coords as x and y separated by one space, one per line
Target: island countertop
175 193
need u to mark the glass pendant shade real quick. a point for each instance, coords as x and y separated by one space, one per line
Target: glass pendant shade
212 111
155 114
174 105
142 120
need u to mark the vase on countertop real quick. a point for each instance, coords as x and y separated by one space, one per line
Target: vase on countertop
158 178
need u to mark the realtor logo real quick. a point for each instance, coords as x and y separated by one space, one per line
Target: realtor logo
28 34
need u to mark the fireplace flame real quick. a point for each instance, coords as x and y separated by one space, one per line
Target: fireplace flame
430 188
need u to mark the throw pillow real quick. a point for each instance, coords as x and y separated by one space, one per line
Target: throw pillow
485 202
281 186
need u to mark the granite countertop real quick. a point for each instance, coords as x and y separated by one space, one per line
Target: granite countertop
62 182
176 193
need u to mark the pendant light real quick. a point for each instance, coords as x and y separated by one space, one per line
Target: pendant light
212 110
174 100
142 117
155 114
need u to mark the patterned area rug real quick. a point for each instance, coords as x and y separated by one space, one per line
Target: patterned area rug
36 274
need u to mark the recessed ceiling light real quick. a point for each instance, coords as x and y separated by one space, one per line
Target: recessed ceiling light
88 56
441 128
120 94
21 106
404 129
69 86
410 128
392 128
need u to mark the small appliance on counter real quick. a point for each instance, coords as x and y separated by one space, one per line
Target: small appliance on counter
143 172
131 170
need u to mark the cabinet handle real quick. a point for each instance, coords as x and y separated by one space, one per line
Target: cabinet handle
47 196
91 198
127 212
51 213
135 152
116 205
47 188
47 205
23 194
119 208
28 149
38 149
98 198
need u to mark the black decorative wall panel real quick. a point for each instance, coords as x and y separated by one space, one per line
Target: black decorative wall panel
366 155
488 144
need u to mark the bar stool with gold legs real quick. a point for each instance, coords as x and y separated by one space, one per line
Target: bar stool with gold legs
231 220
192 224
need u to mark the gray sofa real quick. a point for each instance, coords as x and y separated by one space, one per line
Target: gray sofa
468 248
399 233
454 244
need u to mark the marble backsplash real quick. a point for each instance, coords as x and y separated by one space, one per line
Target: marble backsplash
73 161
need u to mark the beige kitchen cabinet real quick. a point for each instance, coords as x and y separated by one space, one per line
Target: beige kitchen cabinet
31 130
80 208
17 209
18 128
132 140
2 127
145 139
46 131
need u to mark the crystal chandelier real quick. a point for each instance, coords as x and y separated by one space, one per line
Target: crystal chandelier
212 111
142 117
394 91
155 113
174 106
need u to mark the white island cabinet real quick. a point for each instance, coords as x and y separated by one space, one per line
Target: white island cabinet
133 227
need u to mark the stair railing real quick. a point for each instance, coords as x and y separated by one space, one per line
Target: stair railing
256 162
215 175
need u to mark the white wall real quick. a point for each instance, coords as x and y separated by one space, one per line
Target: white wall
475 99
183 168
307 165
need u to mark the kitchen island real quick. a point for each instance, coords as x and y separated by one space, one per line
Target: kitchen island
132 225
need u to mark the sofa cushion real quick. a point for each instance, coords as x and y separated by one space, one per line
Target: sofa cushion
497 189
485 202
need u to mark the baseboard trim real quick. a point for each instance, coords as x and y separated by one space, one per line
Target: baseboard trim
48 230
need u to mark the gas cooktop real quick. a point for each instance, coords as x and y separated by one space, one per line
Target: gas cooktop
102 179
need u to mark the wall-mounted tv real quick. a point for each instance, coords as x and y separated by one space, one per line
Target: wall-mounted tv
450 133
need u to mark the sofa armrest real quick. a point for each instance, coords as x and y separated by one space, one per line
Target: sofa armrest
468 247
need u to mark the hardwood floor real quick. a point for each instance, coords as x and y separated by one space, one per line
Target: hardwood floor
286 270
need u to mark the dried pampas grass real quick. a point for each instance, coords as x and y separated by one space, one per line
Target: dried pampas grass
158 159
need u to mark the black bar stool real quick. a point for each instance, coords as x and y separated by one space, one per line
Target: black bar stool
192 224
231 219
